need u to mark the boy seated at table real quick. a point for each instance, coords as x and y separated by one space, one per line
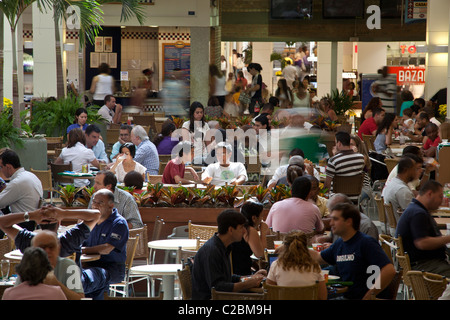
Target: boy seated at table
176 168
224 171
432 140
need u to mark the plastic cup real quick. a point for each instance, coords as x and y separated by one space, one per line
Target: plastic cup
277 244
317 247
325 274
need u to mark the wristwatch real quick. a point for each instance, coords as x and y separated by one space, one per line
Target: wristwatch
26 217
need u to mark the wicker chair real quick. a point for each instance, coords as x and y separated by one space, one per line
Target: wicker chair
108 297
221 295
435 284
392 220
369 142
123 286
417 285
388 245
391 163
45 176
291 293
204 232
142 251
405 267
382 213
348 185
184 276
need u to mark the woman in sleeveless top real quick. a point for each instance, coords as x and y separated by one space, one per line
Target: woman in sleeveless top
102 85
217 82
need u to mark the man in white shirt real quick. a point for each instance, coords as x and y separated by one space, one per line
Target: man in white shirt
397 191
224 171
111 111
290 73
94 143
24 190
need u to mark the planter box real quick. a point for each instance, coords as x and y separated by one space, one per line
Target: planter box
33 154
179 216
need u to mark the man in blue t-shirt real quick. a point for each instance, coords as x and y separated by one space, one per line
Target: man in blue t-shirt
109 239
421 237
357 257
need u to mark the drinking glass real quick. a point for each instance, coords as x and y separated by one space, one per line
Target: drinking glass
4 266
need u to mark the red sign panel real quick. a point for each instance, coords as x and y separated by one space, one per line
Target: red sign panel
408 75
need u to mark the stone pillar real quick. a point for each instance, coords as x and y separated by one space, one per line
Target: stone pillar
437 39
200 54
329 67
44 53
261 54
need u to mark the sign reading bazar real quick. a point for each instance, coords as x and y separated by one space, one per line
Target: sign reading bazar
408 75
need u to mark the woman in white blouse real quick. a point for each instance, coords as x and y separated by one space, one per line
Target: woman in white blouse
77 153
125 162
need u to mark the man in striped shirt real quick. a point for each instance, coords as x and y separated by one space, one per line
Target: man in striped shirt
345 162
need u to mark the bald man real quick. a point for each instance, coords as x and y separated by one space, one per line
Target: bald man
65 274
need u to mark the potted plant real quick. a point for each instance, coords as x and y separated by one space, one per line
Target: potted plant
68 193
53 117
342 102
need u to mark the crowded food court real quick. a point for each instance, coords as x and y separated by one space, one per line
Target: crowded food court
271 165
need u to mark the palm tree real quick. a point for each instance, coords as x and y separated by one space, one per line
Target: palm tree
13 10
90 20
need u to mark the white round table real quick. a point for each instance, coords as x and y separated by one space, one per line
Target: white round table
173 244
170 244
167 271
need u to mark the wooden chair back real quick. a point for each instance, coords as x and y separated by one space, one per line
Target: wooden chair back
142 247
204 232
56 168
391 163
132 244
405 266
162 166
379 201
45 176
348 185
154 179
159 224
369 142
291 293
387 244
392 220
112 136
221 295
435 284
184 276
164 158
417 284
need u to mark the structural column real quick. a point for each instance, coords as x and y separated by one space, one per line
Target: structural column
261 52
329 67
437 39
44 53
200 37
8 60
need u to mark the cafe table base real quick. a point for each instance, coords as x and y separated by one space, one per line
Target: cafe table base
167 271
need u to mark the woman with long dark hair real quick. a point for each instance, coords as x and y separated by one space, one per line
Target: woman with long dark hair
254 240
81 115
255 88
384 132
284 94
164 142
194 130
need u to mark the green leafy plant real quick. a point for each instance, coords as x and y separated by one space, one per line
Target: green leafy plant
68 193
9 134
259 192
342 102
87 193
279 192
228 195
53 117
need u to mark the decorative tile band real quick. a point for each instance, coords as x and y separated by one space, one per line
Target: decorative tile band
28 34
71 34
173 36
139 35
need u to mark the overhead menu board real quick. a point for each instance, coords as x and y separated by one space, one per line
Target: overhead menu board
177 56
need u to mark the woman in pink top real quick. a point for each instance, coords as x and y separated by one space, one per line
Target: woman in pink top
175 168
33 270
296 213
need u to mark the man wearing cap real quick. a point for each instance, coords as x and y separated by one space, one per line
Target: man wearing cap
224 171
